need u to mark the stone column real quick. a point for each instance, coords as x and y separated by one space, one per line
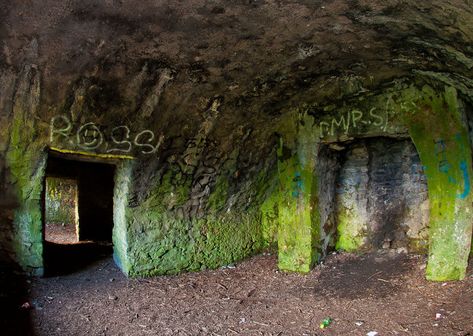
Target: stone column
441 139
298 237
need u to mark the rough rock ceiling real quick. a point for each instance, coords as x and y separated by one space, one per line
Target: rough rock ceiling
259 56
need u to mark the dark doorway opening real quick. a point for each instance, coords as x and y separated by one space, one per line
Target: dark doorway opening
78 213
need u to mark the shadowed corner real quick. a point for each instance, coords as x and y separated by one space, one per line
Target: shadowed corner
15 305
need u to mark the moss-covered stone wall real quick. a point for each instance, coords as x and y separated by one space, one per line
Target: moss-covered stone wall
298 232
173 230
183 203
441 138
25 161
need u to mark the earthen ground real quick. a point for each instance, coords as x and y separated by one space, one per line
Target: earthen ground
60 234
384 292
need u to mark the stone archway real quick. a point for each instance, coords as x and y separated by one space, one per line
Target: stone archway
444 151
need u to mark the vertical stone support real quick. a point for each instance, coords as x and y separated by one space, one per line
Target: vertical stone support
120 213
352 210
26 162
298 209
441 139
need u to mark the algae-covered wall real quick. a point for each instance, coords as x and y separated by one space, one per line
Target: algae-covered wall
443 145
207 222
180 203
24 164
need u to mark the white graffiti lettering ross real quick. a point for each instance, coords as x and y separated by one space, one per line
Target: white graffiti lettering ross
89 136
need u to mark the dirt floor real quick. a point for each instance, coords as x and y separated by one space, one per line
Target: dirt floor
382 292
61 234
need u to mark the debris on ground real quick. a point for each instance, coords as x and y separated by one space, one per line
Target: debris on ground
325 323
254 299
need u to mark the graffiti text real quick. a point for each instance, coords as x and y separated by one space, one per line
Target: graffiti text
89 136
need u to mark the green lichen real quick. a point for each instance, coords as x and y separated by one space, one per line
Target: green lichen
429 118
267 192
163 244
350 231
298 213
163 239
228 238
218 197
173 190
26 163
442 142
296 250
270 219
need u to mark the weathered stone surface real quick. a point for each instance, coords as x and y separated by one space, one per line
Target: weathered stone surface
327 169
382 197
351 203
441 139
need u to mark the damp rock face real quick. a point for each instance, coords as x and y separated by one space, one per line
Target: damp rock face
381 197
399 204
352 196
214 114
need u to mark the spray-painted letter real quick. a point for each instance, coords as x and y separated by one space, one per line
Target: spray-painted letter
151 148
89 136
466 180
355 116
379 119
59 125
120 135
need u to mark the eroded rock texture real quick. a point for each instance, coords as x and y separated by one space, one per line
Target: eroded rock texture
196 97
381 197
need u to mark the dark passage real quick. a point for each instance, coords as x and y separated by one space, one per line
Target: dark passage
95 183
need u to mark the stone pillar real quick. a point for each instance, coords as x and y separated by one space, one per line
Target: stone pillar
25 164
441 139
120 214
298 237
